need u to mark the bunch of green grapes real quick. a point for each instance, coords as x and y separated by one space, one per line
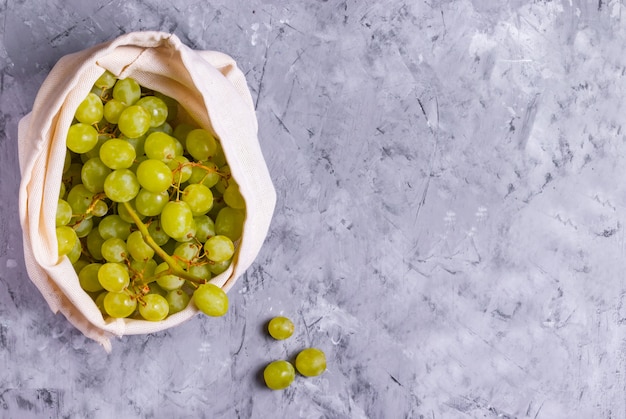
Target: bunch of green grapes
148 211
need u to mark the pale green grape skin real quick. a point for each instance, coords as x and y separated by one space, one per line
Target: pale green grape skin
125 215
177 300
154 307
138 144
168 282
80 198
63 214
117 154
205 228
156 108
83 227
134 121
278 375
219 267
80 264
88 277
90 110
172 105
113 109
106 80
164 127
114 250
144 269
211 300
81 138
219 248
233 198
100 208
181 169
311 362
198 197
67 162
94 244
156 289
127 91
119 304
74 254
160 146
66 239
280 328
159 236
181 131
121 185
218 157
208 175
200 144
202 271
139 250
187 252
229 223
113 277
176 219
149 203
154 175
114 226
93 174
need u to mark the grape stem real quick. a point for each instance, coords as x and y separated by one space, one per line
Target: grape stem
175 269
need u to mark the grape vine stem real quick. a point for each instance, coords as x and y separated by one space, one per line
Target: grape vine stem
175 269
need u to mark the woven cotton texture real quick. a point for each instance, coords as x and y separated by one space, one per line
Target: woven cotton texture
212 90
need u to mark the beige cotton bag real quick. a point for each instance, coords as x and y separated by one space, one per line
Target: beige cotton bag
211 89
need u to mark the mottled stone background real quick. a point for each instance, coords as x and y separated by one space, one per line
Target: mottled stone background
451 181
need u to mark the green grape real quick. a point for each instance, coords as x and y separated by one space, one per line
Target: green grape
159 236
154 175
74 254
156 108
280 328
229 223
181 131
144 270
81 138
72 176
181 169
177 300
93 174
88 277
125 215
80 199
66 239
219 248
64 213
95 151
168 282
206 174
138 145
224 180
113 109
311 362
172 105
205 228
155 288
80 264
233 197
67 162
160 146
114 250
134 121
219 158
114 226
219 267
100 302
106 80
150 203
113 277
138 248
279 375
119 304
211 300
127 91
200 144
202 271
187 252
154 307
83 227
62 191
164 127
176 219
94 244
100 208
117 154
121 185
198 197
90 110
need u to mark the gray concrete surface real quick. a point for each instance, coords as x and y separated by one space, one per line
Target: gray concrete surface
449 225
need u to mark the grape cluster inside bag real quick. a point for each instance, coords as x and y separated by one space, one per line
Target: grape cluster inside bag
214 94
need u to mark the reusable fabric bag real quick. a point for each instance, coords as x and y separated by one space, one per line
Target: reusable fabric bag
212 91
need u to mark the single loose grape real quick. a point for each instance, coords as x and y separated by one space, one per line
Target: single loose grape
211 300
280 328
119 304
279 375
311 362
154 307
